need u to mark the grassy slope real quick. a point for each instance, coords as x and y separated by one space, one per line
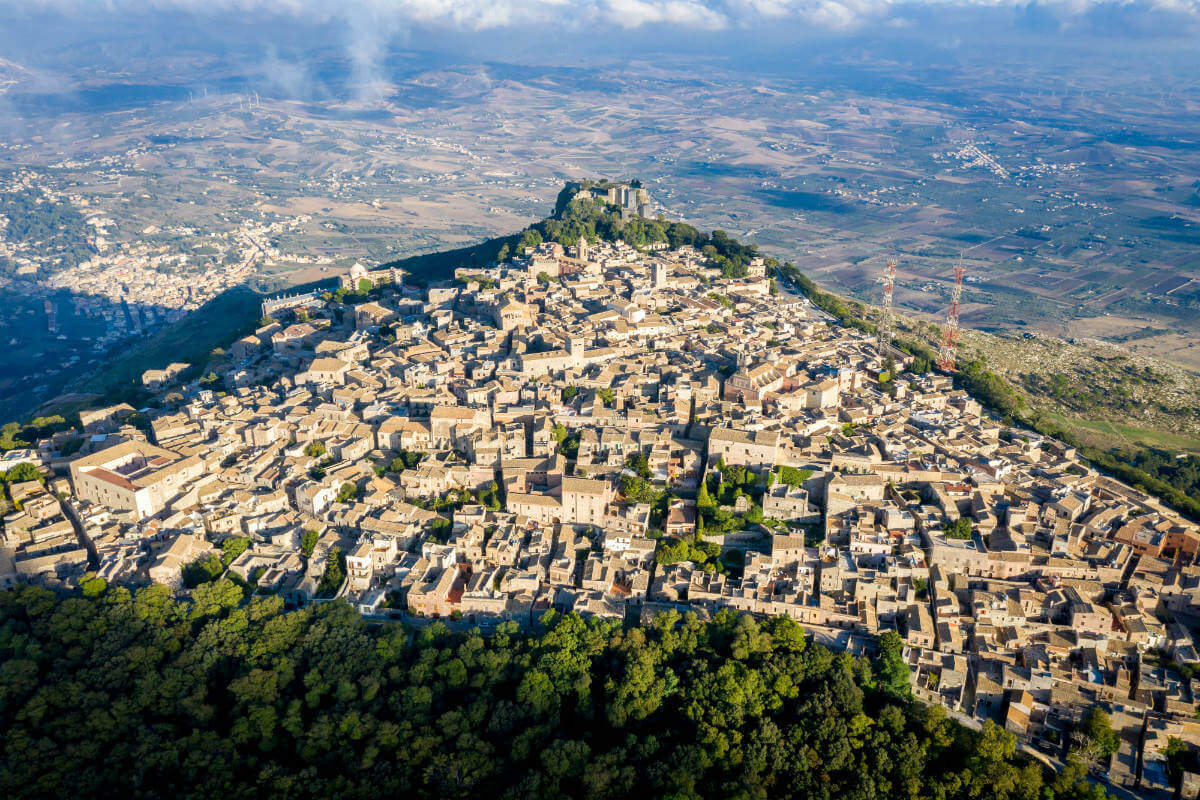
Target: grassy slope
440 266
1106 434
1104 406
219 322
1111 398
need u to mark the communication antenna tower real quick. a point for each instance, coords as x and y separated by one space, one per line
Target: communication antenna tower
885 324
949 349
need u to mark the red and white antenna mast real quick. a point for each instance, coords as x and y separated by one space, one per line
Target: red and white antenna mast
949 349
885 324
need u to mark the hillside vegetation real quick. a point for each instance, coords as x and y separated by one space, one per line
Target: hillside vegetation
578 216
222 320
1148 401
137 696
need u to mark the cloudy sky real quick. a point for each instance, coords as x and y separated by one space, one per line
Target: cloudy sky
693 15
60 36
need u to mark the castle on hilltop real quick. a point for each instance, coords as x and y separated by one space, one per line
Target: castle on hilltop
629 196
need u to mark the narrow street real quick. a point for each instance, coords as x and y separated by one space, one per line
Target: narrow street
85 541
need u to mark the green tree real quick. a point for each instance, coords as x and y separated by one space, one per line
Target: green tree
1179 757
794 477
890 667
8 437
233 547
335 573
1095 741
92 586
203 570
529 239
640 465
214 598
559 433
439 530
219 694
489 496
786 634
959 528
308 542
22 473
406 459
638 490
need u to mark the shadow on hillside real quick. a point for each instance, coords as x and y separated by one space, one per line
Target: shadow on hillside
98 349
81 344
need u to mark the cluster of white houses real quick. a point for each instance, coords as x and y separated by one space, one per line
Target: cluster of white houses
463 445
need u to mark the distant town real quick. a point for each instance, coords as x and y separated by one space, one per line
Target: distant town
621 431
84 286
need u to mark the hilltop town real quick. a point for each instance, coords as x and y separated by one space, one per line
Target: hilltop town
620 431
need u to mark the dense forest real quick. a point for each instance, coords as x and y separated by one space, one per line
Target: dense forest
108 694
1183 473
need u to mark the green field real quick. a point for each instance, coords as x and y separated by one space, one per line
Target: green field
1107 435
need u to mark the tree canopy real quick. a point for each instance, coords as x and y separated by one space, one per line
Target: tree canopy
959 528
140 695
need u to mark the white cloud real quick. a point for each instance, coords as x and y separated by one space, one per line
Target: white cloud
367 30
478 15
